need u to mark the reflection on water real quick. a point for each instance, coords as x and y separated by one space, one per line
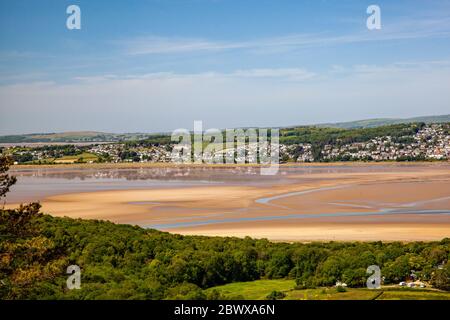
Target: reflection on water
38 183
167 173
35 183
207 173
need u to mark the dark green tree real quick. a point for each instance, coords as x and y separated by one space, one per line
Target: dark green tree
6 181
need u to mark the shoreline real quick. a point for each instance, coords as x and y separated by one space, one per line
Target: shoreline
336 233
137 165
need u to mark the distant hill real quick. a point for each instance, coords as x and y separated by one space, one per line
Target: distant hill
72 137
371 123
94 136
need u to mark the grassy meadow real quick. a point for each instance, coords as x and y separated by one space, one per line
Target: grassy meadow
260 289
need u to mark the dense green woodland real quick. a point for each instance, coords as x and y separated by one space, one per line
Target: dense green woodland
128 262
316 135
319 136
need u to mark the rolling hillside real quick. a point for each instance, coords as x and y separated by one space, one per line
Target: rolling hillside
72 137
371 123
94 136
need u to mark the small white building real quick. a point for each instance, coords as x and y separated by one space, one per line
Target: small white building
340 284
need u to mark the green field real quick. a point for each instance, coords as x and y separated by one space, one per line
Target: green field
85 156
414 294
253 290
82 157
259 289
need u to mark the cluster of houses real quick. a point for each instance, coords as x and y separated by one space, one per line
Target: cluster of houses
117 152
301 152
415 284
409 284
430 143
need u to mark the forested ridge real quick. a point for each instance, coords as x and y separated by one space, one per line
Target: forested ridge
128 262
317 136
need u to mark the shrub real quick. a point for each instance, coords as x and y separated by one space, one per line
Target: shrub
275 295
341 289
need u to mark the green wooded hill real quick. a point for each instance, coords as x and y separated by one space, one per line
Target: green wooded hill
129 262
164 138
371 123
73 137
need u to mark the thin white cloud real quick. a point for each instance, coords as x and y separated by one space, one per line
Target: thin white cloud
255 97
393 68
22 77
403 30
295 74
9 55
156 45
291 74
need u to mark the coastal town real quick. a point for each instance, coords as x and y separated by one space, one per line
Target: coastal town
431 142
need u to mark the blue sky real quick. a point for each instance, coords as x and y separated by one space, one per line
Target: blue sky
158 65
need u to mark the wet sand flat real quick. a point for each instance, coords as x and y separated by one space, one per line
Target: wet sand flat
303 232
303 203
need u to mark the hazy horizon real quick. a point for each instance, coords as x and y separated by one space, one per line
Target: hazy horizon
222 128
156 66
